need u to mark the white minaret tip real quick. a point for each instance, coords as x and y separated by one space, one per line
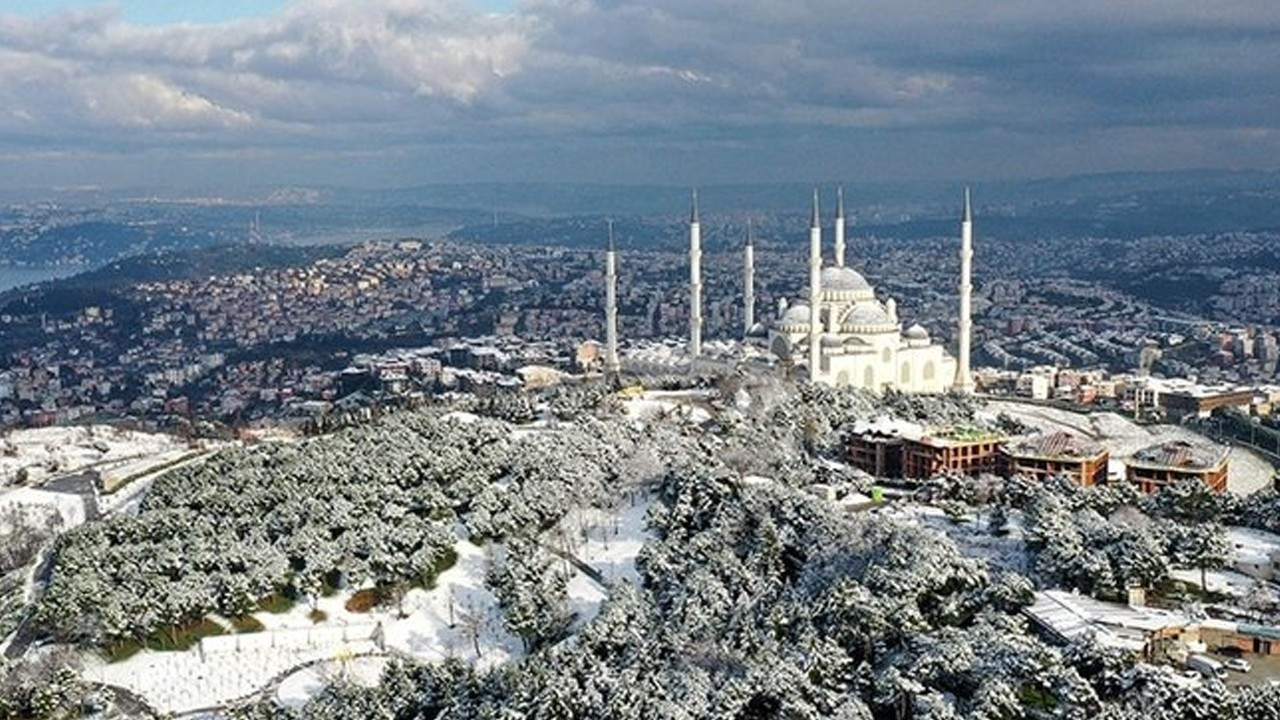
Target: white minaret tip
840 226
964 375
695 280
815 291
611 363
749 281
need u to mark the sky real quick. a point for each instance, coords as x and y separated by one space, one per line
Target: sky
393 93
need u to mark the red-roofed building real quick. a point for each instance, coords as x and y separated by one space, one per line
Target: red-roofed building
1158 465
1048 455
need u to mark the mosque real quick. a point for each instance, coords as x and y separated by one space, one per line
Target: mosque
842 335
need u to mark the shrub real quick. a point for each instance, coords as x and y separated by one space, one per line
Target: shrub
275 603
364 600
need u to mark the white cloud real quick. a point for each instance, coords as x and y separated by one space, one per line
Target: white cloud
364 76
145 101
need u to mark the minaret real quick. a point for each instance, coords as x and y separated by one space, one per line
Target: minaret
840 226
749 282
964 378
695 280
815 289
611 364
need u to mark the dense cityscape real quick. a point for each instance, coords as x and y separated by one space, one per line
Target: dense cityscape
282 342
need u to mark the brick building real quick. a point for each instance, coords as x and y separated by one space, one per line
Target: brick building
1047 455
1158 465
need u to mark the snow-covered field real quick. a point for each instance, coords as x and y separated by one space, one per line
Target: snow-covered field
196 679
60 450
613 540
433 631
1227 582
655 404
1253 546
186 681
298 688
1248 471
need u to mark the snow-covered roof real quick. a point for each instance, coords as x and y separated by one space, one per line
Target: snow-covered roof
888 426
1071 616
1181 454
1056 445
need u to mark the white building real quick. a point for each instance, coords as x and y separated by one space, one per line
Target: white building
842 336
860 341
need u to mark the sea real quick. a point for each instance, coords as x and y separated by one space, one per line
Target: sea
12 277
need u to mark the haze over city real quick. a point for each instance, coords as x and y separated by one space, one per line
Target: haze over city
401 92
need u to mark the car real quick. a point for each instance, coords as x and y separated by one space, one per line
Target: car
1238 664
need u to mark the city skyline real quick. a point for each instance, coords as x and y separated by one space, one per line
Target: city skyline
402 92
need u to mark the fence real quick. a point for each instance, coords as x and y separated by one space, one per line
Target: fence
292 639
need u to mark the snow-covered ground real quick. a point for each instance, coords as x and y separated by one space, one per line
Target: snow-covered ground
36 505
186 681
1248 471
653 404
972 534
195 679
1249 548
1253 546
1227 582
295 690
440 622
129 496
610 544
60 450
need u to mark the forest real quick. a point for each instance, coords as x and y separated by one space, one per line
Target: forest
756 598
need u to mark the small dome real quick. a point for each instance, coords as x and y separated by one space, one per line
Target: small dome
832 341
915 332
797 314
865 314
757 330
843 279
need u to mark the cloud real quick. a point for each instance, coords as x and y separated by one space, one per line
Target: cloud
691 85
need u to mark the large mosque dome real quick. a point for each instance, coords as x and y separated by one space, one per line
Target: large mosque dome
843 278
844 283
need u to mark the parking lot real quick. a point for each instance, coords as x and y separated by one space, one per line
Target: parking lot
1265 669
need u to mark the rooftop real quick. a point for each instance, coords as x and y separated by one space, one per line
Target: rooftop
1057 445
891 427
961 435
1181 454
1071 616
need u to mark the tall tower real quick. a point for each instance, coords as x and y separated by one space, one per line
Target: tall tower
255 230
840 226
815 288
749 282
695 280
964 378
611 364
